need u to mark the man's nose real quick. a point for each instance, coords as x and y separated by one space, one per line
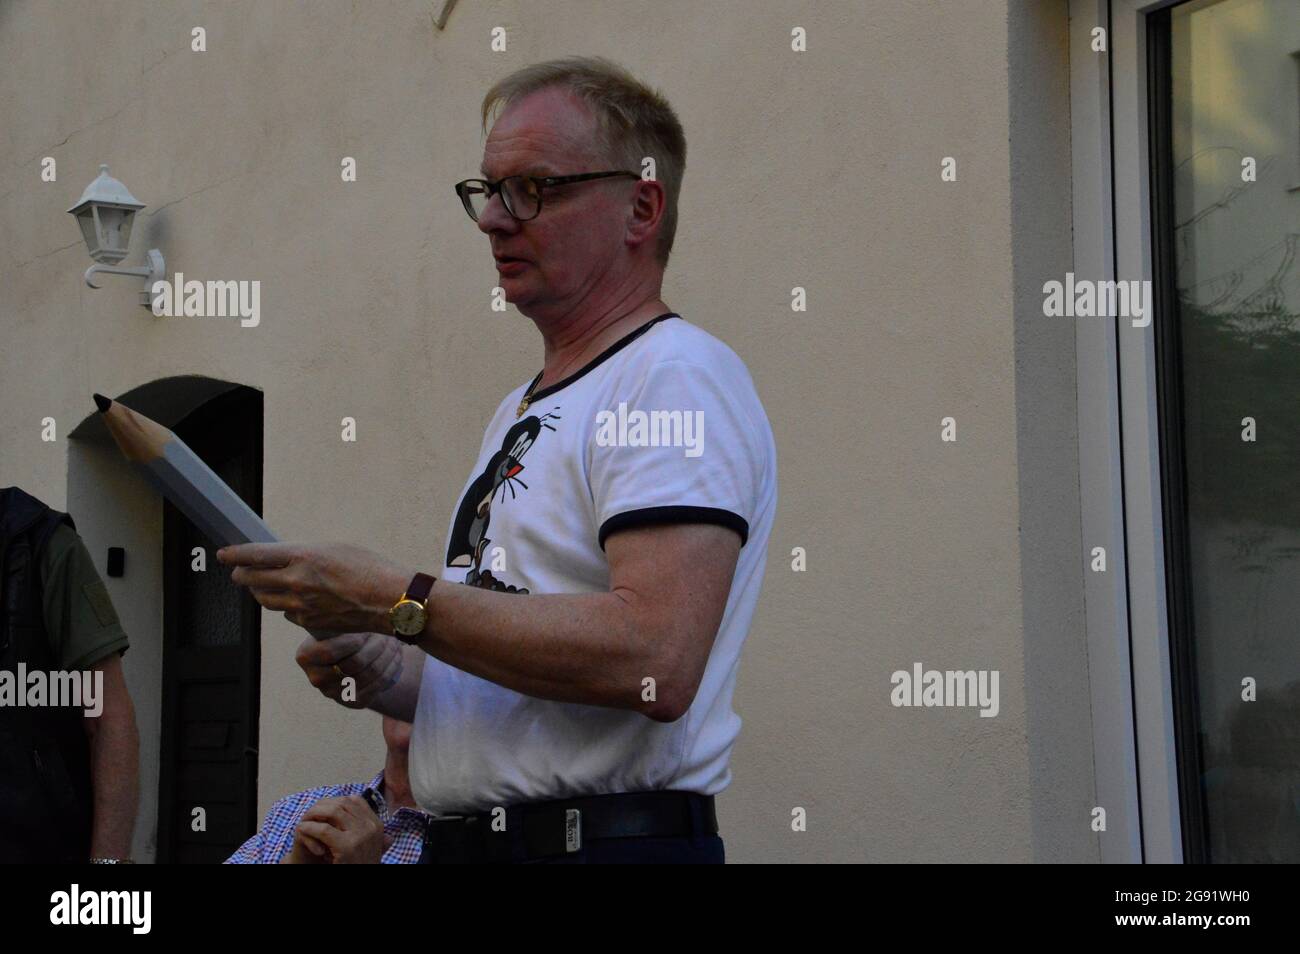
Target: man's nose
495 218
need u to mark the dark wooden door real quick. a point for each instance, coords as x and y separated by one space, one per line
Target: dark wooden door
211 654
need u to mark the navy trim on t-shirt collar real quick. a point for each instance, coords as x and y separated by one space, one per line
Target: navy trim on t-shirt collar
596 361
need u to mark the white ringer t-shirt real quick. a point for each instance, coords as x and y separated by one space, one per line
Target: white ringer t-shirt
664 426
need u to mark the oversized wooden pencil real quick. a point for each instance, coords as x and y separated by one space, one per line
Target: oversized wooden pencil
180 475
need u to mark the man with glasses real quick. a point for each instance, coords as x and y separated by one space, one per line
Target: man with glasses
569 668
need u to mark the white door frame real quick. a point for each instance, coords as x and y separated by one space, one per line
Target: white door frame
1135 757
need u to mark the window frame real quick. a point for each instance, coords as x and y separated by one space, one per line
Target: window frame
1123 497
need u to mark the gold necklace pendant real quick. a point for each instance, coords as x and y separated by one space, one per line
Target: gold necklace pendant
528 398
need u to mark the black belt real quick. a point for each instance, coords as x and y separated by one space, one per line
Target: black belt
540 829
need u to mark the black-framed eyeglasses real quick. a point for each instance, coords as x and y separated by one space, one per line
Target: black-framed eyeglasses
521 195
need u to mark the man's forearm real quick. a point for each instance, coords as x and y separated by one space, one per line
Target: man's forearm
581 647
115 773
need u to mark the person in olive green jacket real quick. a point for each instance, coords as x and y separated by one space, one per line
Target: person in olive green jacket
72 775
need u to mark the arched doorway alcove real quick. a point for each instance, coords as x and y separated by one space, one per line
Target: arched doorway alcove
194 662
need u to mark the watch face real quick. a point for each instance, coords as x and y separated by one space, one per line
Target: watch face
408 617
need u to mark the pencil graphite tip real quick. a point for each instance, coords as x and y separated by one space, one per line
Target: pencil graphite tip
102 402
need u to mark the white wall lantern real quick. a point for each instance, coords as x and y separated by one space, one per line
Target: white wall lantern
105 212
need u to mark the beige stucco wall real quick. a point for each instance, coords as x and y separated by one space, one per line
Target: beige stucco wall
818 169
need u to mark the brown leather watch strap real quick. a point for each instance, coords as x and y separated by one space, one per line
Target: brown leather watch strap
419 589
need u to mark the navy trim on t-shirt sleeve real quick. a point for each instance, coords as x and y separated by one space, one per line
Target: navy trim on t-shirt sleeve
661 515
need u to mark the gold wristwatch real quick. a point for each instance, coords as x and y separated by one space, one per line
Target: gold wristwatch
409 614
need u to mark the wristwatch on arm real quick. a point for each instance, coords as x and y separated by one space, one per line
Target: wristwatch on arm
410 614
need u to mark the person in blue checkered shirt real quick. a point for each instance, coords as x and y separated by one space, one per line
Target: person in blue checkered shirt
352 823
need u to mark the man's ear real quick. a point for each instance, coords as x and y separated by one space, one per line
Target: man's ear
647 212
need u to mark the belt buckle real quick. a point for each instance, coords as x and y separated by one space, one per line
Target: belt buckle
572 830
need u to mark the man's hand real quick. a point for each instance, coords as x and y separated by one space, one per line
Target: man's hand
329 587
352 669
348 828
306 851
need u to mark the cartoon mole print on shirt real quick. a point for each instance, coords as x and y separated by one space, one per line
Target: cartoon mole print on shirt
469 534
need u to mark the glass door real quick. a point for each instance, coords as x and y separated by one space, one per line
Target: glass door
1224 103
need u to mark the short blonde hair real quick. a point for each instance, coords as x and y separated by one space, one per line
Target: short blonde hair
634 121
